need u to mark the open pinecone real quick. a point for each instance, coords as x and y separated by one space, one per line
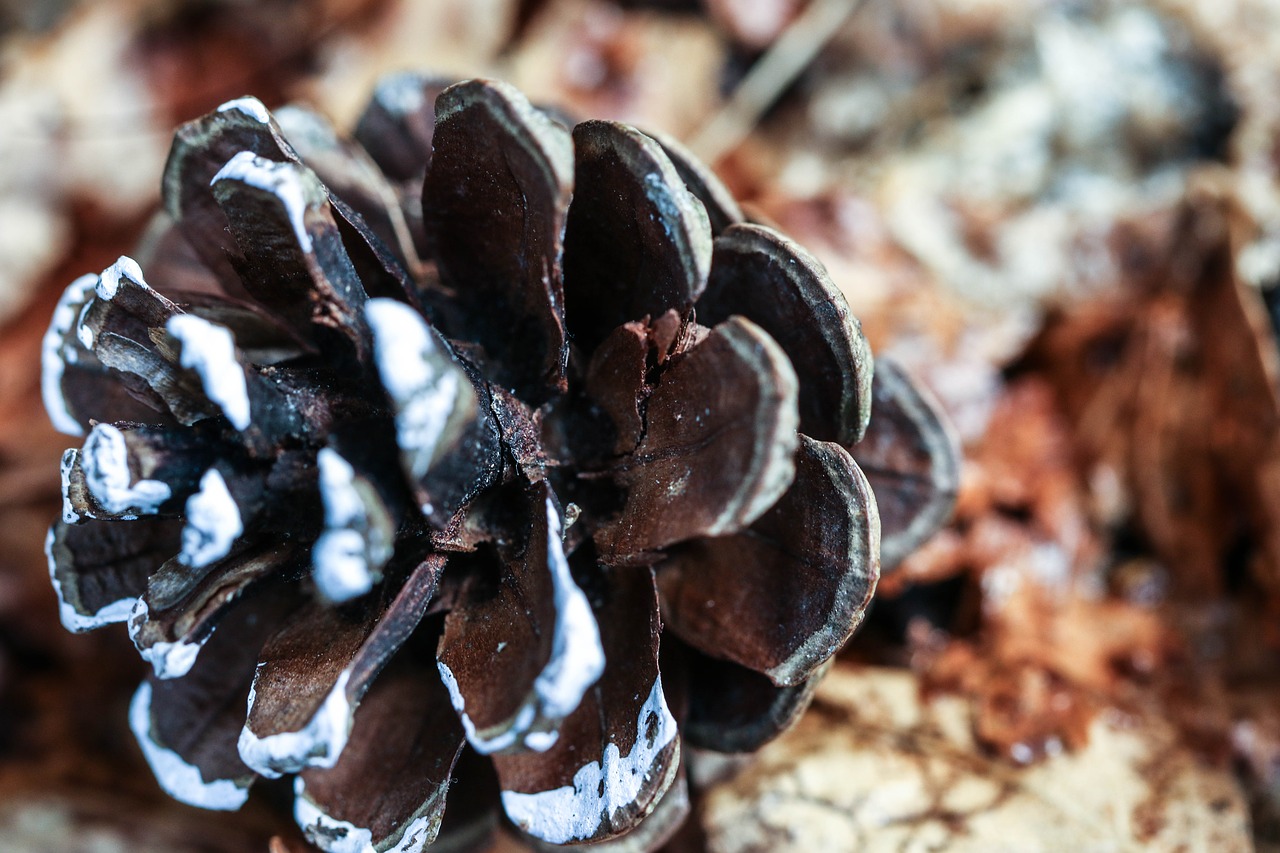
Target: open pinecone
382 466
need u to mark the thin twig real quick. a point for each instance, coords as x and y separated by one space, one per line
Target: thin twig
794 50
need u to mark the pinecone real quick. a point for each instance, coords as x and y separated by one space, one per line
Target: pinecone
382 466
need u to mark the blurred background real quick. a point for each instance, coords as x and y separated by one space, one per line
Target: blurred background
1062 215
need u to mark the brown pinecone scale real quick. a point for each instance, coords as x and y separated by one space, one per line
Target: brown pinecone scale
470 452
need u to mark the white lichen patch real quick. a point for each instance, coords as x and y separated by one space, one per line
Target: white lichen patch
249 106
109 282
600 789
213 523
105 463
340 566
69 459
168 660
577 657
460 706
317 744
357 540
180 780
84 334
429 392
285 181
210 350
56 353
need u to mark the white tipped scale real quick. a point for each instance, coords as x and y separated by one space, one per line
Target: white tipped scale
168 660
180 780
317 744
213 523
56 353
69 459
210 350
429 393
284 181
354 546
172 660
328 833
340 566
576 663
105 463
72 619
600 789
517 732
249 106
577 656
342 503
109 282
333 835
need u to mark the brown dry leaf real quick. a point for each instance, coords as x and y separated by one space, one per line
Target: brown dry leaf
1171 387
1036 643
1021 502
872 768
